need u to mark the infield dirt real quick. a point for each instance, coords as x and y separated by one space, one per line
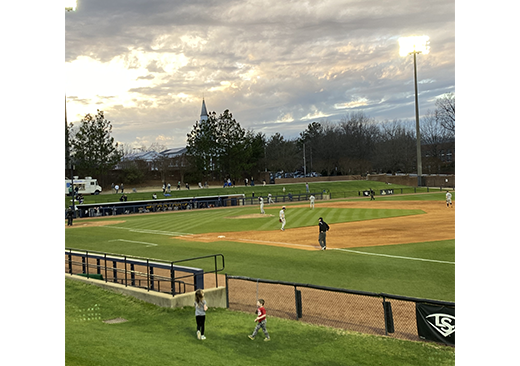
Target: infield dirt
436 223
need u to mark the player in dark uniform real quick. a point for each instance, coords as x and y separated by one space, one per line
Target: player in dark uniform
322 239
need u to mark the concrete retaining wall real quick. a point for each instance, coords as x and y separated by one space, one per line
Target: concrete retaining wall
216 297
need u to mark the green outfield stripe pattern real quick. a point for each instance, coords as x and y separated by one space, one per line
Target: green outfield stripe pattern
204 221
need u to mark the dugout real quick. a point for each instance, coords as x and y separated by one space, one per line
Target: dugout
157 205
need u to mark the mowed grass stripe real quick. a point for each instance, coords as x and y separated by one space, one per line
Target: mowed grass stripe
301 217
205 221
184 222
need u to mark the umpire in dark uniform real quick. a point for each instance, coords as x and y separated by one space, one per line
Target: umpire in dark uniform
70 216
322 239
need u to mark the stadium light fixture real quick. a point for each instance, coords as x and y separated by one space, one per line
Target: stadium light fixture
71 5
407 46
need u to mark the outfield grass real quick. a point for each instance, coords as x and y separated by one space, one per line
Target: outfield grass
163 336
432 196
341 189
390 274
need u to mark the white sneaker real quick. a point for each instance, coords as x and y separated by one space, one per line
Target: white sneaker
198 334
202 337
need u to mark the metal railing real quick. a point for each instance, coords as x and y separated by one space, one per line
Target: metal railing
147 273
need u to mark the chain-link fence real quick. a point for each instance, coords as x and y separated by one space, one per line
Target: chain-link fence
364 312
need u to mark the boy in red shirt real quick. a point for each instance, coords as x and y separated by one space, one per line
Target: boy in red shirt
261 319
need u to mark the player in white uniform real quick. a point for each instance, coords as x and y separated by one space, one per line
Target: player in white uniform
448 199
282 218
270 198
312 198
261 205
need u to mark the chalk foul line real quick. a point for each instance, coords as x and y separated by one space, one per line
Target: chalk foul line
148 231
136 242
393 256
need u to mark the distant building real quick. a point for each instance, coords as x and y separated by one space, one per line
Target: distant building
173 153
203 112
151 158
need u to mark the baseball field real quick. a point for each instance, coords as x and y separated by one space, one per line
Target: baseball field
400 244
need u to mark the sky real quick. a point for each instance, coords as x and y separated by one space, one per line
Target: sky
276 65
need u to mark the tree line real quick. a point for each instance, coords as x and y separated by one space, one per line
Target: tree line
219 147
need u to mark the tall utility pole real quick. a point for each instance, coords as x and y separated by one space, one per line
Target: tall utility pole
418 132
69 6
408 46
304 162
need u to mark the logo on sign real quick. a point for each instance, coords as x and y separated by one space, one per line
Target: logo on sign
443 323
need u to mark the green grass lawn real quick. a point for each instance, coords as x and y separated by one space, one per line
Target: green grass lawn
218 220
341 189
410 276
162 336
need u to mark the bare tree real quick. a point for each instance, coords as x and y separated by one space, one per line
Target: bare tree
396 150
445 112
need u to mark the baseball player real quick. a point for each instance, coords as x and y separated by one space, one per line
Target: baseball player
282 218
261 205
312 198
322 239
448 199
270 198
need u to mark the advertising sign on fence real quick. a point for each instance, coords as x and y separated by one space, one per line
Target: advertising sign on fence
436 323
384 192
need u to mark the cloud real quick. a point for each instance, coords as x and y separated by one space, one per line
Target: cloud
268 62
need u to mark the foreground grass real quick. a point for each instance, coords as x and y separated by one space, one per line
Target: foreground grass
161 336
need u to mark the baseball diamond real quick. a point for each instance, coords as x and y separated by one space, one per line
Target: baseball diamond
437 223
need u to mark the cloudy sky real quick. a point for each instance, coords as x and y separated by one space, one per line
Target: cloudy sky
276 65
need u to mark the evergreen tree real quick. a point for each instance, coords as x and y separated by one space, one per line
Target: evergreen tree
94 150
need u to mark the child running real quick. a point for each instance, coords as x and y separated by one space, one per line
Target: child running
261 319
200 313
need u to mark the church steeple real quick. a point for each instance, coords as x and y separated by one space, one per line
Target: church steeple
203 112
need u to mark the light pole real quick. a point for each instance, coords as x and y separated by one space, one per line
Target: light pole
70 5
408 46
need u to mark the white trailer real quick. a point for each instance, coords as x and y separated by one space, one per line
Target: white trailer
84 186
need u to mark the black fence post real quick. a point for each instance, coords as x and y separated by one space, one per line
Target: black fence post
114 270
298 300
216 274
88 274
227 292
70 262
152 279
389 318
83 265
172 278
126 274
132 274
148 274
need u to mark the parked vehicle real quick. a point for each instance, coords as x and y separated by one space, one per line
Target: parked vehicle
83 186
